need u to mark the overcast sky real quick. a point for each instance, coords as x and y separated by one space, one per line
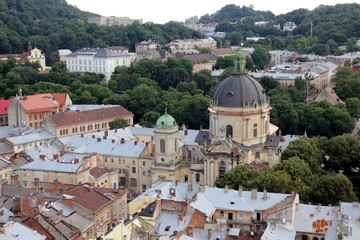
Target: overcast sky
162 11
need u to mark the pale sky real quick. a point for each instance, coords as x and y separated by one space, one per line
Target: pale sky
162 11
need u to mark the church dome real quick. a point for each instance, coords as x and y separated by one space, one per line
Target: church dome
239 90
166 121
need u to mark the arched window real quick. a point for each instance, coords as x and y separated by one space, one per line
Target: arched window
221 169
255 130
175 145
229 131
162 145
197 177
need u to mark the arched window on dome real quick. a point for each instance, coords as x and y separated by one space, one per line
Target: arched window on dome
162 145
255 130
229 131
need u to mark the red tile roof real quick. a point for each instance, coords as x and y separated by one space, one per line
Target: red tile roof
60 98
38 103
93 201
97 172
4 106
115 192
101 114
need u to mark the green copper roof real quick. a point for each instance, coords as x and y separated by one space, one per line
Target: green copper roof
239 62
166 121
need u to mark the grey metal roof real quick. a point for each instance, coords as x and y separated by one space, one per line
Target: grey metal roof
36 136
51 166
203 136
273 140
97 52
239 90
104 147
5 148
209 200
15 231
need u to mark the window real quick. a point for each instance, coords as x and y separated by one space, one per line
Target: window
240 215
229 131
186 178
221 213
144 186
122 181
162 145
255 130
133 183
133 162
221 169
133 169
175 145
197 177
143 163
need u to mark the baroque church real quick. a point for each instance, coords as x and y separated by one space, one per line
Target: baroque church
239 132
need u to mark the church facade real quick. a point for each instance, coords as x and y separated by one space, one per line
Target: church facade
239 132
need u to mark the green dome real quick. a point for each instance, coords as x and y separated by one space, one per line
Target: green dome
166 121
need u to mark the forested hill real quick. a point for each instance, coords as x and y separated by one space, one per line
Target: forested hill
54 24
338 22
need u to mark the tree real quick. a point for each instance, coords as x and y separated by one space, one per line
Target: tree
343 153
307 150
268 83
149 119
195 112
118 123
203 80
330 189
353 107
260 57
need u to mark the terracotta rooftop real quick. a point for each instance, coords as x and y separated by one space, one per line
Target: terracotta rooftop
69 118
38 103
60 98
224 51
97 172
333 95
4 106
93 201
117 193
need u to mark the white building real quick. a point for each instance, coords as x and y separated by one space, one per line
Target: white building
289 26
97 60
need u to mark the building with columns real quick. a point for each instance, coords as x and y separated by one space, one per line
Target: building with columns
240 129
240 132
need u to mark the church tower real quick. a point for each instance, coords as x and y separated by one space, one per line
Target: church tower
167 150
240 130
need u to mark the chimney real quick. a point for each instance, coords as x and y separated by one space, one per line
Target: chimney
202 187
56 156
106 133
209 234
93 136
122 141
104 137
240 191
265 194
115 130
135 143
77 160
186 132
42 157
190 188
113 140
62 153
99 139
176 182
254 194
226 189
82 135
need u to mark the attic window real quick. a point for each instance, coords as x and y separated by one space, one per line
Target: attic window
232 202
167 228
162 123
230 94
